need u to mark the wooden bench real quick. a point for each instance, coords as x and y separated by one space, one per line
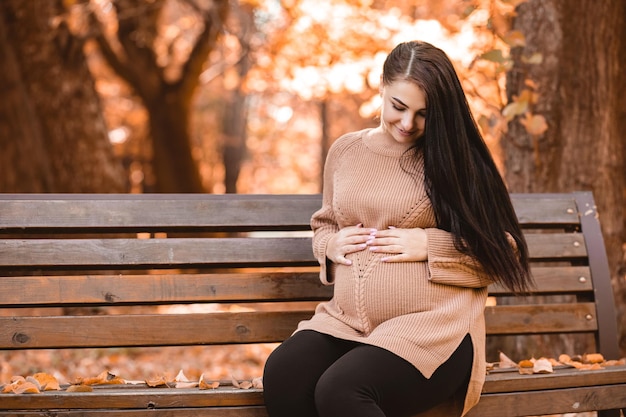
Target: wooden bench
83 250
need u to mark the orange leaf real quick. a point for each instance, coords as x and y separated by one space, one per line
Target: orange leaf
158 381
204 384
27 388
47 381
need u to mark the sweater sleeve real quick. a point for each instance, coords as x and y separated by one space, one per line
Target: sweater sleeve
323 222
449 266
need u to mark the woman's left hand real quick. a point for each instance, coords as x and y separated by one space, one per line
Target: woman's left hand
402 245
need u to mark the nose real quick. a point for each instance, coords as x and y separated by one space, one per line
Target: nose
408 121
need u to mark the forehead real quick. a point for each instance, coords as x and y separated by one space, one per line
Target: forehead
407 92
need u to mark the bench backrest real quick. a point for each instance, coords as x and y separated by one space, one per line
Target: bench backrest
119 253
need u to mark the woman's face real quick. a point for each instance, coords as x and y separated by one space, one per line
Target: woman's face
403 111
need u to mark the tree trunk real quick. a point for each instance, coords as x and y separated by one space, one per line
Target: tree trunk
52 133
167 101
581 93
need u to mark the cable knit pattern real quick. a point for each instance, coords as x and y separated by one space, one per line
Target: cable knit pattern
421 311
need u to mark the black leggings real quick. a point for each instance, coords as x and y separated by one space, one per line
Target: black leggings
315 375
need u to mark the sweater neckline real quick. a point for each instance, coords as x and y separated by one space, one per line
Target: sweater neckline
382 143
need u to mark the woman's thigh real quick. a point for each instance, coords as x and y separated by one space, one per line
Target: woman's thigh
372 382
293 369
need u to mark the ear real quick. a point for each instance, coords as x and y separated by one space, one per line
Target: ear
380 85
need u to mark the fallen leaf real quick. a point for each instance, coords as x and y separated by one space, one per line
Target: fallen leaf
27 388
257 382
506 362
245 385
542 366
526 367
159 381
181 381
47 382
105 378
593 358
204 384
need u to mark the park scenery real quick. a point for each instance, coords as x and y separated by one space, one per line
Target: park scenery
245 97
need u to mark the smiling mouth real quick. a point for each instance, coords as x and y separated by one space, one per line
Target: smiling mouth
404 132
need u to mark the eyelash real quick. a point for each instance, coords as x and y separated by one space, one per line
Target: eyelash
421 114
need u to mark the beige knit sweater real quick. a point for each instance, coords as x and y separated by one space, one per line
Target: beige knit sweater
421 311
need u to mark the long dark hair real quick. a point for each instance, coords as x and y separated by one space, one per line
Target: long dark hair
468 194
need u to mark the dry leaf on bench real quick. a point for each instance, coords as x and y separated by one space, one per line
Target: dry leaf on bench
159 381
542 366
27 388
242 384
204 384
182 381
257 382
593 358
506 362
47 382
526 367
105 378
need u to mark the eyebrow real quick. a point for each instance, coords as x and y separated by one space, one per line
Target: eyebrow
399 101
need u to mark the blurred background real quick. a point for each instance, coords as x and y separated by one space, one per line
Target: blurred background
246 96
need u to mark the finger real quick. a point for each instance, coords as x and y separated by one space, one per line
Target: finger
344 261
394 250
394 258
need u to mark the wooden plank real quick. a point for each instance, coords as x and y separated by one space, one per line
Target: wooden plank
148 330
23 211
128 253
513 381
559 401
252 411
155 253
555 280
124 289
542 209
556 246
138 398
121 289
175 211
249 327
540 319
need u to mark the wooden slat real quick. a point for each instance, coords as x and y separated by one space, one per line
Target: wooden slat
542 209
147 411
540 319
21 211
555 280
513 381
148 330
532 403
120 289
157 253
24 291
556 246
140 398
137 212
116 253
251 411
250 327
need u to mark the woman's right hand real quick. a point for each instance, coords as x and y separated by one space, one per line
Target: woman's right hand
348 240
